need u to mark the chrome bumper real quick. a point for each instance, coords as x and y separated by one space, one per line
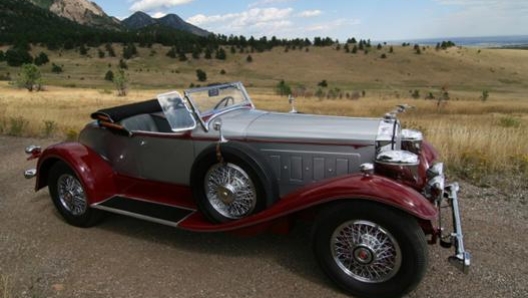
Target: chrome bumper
462 258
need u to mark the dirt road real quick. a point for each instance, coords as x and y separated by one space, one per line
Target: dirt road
42 256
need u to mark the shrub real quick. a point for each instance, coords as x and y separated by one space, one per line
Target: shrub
17 57
30 78
473 165
201 75
41 59
123 64
83 50
56 68
71 135
121 82
283 89
109 76
17 126
49 128
101 53
249 59
485 95
509 121
383 56
415 93
110 50
222 72
182 57
220 54
323 84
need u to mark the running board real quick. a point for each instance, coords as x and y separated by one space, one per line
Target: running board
158 213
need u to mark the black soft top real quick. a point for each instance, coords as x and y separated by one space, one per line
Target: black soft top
119 113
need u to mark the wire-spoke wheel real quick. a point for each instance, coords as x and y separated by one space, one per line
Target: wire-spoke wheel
365 251
71 194
231 181
230 191
369 249
70 198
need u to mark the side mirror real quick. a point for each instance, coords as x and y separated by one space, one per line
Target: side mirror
178 115
217 125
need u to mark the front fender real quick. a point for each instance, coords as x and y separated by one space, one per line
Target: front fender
374 188
94 172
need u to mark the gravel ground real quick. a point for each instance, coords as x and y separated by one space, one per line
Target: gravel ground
42 256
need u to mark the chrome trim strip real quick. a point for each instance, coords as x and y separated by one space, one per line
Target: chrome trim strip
142 200
140 216
462 259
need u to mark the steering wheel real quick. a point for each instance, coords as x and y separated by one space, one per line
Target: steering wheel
225 101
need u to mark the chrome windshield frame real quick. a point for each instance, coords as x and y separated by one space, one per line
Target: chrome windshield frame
212 114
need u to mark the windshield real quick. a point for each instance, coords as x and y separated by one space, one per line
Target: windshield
213 99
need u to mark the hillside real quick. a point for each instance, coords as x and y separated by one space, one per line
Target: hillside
22 21
464 72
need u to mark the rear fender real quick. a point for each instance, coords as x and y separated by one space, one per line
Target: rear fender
95 173
351 187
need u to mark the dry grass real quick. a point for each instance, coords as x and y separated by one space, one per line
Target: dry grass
475 138
5 286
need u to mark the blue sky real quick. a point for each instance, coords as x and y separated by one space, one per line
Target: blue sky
375 19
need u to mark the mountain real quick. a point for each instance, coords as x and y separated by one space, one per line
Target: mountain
138 20
21 21
141 20
80 11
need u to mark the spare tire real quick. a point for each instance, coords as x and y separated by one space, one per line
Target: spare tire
233 184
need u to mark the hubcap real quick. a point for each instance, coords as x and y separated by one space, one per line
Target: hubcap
365 251
71 194
230 191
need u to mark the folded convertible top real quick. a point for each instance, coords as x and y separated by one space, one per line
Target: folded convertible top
116 114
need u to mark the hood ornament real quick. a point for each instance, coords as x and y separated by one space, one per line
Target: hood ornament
291 100
401 108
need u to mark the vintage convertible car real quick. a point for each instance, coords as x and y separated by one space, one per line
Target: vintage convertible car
209 161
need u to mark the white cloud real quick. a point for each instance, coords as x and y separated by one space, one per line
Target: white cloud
158 15
249 18
310 13
255 21
148 5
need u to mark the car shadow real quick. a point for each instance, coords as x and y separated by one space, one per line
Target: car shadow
292 251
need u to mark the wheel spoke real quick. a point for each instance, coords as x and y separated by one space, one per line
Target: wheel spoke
71 194
365 251
230 191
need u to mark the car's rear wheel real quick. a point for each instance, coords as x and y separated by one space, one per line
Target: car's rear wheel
69 197
232 183
370 250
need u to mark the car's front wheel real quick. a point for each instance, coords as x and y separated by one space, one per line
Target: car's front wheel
69 197
370 250
231 182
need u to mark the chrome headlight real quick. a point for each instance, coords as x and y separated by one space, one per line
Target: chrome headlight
398 158
434 188
398 165
412 140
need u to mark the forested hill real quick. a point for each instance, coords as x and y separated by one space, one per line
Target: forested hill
23 22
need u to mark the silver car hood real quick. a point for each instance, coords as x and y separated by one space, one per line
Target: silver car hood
318 129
